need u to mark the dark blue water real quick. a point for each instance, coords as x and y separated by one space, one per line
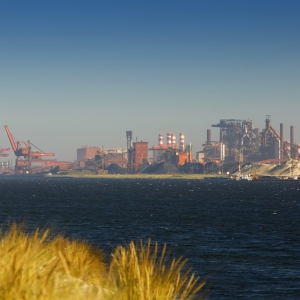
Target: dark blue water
242 236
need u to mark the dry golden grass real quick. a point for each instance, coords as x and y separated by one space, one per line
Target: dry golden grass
142 272
36 267
32 267
79 259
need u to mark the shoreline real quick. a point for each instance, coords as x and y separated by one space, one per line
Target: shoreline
140 176
164 176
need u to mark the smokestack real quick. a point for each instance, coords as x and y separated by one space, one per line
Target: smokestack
292 135
160 140
173 139
169 139
281 141
292 141
281 132
208 136
221 136
181 141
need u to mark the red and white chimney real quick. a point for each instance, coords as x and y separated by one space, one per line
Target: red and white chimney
181 141
173 139
169 139
160 140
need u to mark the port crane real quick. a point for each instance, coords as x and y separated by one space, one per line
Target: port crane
24 154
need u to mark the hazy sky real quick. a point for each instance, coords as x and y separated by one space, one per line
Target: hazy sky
76 73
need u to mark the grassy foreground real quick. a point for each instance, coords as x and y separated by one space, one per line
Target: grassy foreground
37 267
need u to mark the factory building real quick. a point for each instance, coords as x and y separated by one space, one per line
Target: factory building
137 154
273 145
162 151
183 158
140 155
200 156
171 151
102 157
240 141
106 157
85 153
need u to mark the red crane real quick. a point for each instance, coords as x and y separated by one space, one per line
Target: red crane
25 157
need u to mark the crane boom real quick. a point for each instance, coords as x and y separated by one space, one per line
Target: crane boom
40 154
12 142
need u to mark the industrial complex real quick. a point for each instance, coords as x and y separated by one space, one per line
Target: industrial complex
239 141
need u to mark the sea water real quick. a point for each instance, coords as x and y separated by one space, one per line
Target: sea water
240 236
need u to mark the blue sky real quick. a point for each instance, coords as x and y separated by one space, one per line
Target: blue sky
76 73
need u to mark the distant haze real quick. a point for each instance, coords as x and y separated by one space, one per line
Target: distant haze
76 73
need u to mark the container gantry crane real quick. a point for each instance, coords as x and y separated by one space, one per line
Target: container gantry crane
24 155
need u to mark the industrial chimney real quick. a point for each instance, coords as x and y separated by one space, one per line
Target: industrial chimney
292 140
169 139
160 140
292 135
208 136
173 139
181 141
281 141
